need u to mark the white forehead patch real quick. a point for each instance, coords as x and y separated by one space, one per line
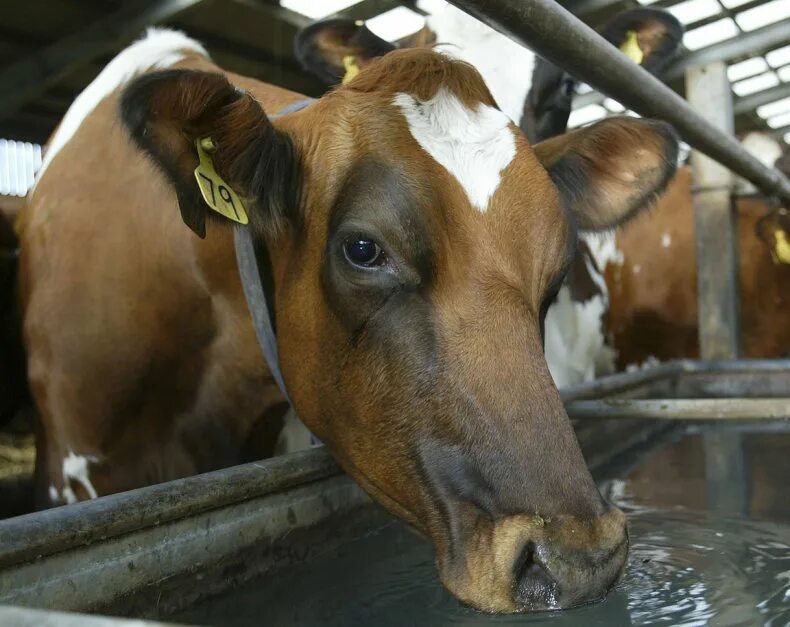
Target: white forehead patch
472 145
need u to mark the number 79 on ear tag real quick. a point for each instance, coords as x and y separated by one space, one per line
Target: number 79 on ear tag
215 191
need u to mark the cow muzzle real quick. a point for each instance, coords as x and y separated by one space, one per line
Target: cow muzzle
527 563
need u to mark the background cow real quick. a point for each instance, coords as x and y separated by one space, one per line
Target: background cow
409 269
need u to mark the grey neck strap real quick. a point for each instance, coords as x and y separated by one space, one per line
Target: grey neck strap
254 291
255 295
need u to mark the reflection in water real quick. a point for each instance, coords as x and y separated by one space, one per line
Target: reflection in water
707 545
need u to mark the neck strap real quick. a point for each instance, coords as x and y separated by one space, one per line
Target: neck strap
252 283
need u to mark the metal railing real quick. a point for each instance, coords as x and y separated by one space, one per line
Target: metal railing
560 37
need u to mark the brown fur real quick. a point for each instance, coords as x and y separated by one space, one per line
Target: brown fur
653 312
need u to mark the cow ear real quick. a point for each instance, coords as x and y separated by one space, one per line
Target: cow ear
168 113
547 106
608 172
332 48
650 37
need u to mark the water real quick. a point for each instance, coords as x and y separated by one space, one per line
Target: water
710 544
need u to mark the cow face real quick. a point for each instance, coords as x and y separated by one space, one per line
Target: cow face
415 239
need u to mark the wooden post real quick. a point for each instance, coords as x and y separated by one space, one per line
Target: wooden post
715 221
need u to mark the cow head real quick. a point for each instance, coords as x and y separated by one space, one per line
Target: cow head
415 239
650 37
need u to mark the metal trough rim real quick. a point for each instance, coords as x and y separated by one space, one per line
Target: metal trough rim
25 538
683 409
622 381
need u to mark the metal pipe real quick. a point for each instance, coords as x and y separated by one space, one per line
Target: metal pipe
566 41
31 536
620 382
747 103
757 40
683 409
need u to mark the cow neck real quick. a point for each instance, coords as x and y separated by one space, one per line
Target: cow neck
254 270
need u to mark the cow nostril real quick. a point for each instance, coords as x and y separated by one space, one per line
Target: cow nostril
535 588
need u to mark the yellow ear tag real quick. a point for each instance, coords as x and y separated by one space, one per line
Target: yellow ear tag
631 49
216 192
782 249
351 67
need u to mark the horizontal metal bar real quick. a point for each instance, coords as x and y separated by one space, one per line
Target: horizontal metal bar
757 40
566 41
624 381
747 103
33 535
729 366
683 409
620 382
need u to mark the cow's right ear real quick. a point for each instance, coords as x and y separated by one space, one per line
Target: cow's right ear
330 48
168 113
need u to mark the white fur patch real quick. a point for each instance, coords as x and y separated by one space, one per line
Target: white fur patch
159 49
603 247
472 145
53 494
505 66
575 347
75 468
666 240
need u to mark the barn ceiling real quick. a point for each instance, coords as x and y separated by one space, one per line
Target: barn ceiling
51 49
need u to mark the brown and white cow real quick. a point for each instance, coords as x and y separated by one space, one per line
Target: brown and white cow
652 281
415 239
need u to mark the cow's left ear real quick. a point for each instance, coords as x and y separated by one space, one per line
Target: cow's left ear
332 48
168 113
608 172
650 37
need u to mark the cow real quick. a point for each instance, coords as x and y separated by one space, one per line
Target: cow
652 281
414 238
538 96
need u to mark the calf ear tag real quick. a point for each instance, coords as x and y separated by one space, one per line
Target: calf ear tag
630 48
351 67
216 192
781 252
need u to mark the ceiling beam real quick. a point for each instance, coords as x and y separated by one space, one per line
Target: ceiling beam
276 12
747 103
368 8
756 41
27 78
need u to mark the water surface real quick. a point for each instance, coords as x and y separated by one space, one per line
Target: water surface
710 544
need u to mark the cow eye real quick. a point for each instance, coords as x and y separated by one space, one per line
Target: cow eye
363 252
